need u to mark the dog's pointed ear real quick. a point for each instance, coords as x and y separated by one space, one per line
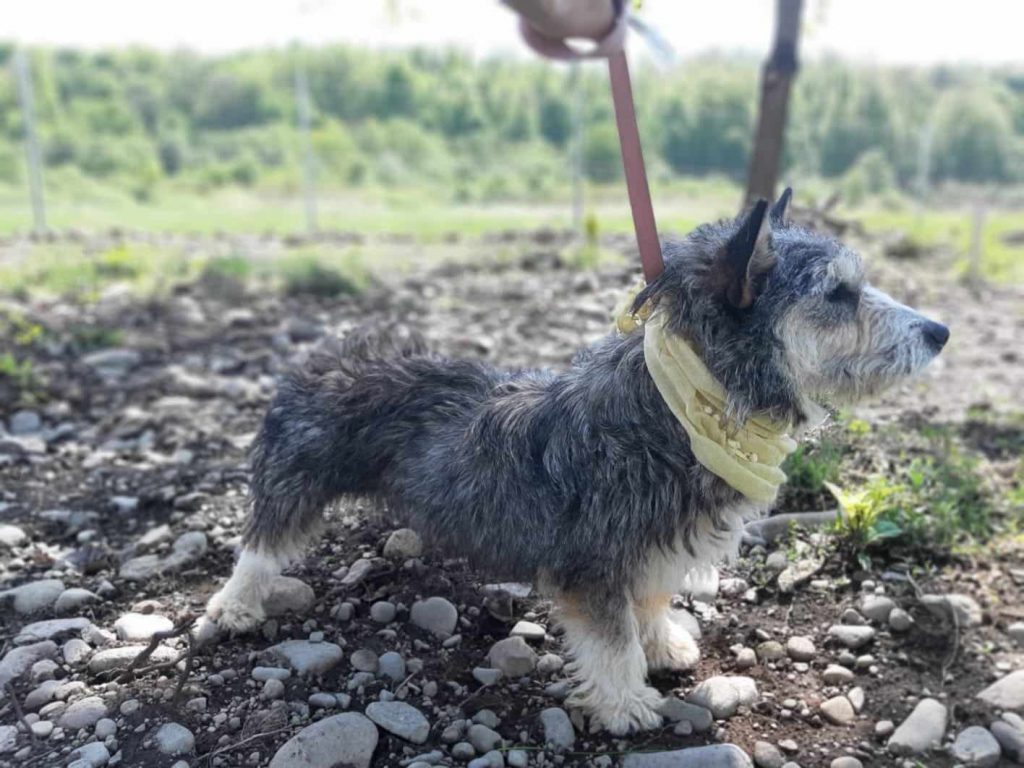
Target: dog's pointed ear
746 257
777 217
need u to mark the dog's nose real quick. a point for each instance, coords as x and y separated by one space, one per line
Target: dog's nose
936 333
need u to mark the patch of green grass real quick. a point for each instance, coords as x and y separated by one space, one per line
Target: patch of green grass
307 275
812 465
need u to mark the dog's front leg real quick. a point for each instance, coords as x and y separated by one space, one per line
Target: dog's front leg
607 664
666 643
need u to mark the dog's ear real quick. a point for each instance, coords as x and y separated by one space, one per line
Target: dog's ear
746 257
777 217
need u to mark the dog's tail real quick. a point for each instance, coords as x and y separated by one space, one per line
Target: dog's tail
337 423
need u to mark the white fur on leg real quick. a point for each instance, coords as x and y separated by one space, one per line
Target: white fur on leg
238 606
666 643
609 678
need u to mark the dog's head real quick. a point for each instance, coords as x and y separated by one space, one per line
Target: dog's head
784 317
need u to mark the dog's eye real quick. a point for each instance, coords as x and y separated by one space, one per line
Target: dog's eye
843 294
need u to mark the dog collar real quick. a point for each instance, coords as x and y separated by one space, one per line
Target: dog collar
747 456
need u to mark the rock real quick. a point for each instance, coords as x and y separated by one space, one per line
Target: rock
713 756
174 739
486 675
401 719
884 729
838 710
549 664
383 612
483 738
154 537
42 729
678 711
528 631
836 675
8 738
308 658
360 569
921 731
797 573
746 658
346 739
1007 692
770 650
364 660
436 615
403 544
11 536
961 608
877 608
186 549
51 629
513 657
24 423
857 698
558 730
113 363
141 626
975 746
73 600
463 751
776 562
723 695
33 597
83 713
846 762
767 755
801 648
288 594
900 620
1016 632
116 658
105 727
18 661
1010 736
392 666
851 635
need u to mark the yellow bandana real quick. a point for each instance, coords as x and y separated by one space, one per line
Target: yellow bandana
747 456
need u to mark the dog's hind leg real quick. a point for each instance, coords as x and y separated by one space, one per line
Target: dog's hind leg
607 664
666 643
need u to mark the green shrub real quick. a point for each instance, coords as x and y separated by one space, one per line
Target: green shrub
307 276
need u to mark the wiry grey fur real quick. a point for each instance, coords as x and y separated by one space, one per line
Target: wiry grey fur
582 480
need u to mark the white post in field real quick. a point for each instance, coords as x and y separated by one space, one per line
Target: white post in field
32 158
303 105
576 149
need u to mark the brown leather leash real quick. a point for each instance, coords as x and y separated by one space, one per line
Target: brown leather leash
612 47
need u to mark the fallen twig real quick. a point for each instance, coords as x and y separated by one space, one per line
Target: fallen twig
145 653
18 711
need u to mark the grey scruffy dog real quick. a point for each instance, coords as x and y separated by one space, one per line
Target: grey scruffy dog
583 481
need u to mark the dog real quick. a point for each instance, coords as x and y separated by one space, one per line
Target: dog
584 481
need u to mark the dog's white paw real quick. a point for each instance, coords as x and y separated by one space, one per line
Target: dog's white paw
672 649
234 615
628 715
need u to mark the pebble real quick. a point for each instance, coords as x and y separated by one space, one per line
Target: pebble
392 666
884 728
73 600
676 710
846 762
900 620
83 713
857 698
306 657
483 738
770 650
1009 732
347 739
723 695
33 597
262 674
528 631
105 727
549 664
365 660
8 738
272 689
51 629
1016 632
24 423
42 728
767 755
513 657
852 636
836 675
90 755
877 608
486 675
1007 692
746 658
976 747
713 756
436 615
383 612
463 750
963 608
403 544
923 729
838 710
11 536
401 719
141 626
558 730
288 594
174 739
801 648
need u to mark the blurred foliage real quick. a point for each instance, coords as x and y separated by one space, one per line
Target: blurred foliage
493 129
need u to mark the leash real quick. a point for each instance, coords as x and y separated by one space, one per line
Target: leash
611 46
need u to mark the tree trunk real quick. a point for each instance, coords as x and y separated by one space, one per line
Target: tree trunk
776 79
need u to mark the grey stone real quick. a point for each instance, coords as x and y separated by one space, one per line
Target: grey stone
767 755
923 729
486 675
42 728
308 658
1016 632
558 730
8 738
33 597
846 762
877 608
483 738
174 739
976 747
392 666
24 423
900 620
383 612
517 758
436 615
83 713
724 695
272 689
115 658
884 728
770 650
836 675
1007 692
364 660
838 710
91 755
141 626
963 608
323 701
801 648
73 600
528 630
1009 732
492 759
401 719
11 536
403 544
713 756
288 594
262 674
113 362
676 710
41 694
852 636
857 698
105 727
360 569
463 750
51 629
513 657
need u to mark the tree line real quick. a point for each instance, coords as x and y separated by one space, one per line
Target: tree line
491 129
